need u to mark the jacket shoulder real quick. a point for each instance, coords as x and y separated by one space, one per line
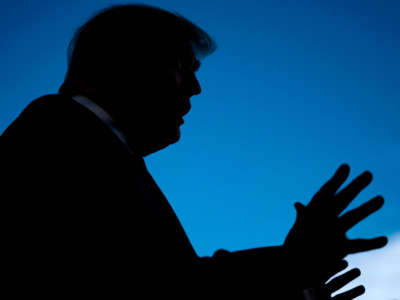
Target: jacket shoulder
39 114
56 123
55 116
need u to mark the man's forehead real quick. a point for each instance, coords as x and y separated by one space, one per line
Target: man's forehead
188 55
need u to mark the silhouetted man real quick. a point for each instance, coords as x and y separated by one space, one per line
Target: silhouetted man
83 215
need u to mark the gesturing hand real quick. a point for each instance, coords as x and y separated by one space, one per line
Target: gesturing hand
325 292
317 241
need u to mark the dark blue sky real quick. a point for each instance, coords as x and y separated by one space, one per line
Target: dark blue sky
294 89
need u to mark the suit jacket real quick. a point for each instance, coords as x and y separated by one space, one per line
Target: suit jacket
83 214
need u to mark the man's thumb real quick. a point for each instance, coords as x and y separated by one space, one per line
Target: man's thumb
300 208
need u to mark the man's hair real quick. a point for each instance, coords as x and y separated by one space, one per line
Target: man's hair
128 42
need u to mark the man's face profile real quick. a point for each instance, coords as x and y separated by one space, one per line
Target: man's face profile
154 115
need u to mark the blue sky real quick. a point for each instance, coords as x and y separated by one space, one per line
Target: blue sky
294 89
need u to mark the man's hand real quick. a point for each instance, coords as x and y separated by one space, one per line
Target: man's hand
325 292
318 241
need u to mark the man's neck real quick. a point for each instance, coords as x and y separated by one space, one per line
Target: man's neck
122 121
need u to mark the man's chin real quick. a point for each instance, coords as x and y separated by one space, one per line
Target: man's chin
172 138
164 141
177 135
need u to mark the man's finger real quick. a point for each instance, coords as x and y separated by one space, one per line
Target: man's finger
340 281
332 269
329 189
327 271
362 245
351 294
339 267
346 195
300 208
353 217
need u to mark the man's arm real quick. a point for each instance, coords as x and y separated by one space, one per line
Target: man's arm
314 247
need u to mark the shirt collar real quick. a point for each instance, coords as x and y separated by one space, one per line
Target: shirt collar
104 116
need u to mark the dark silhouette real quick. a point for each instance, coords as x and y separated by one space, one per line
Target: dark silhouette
83 216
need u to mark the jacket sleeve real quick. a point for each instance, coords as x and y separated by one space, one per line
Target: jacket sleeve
260 271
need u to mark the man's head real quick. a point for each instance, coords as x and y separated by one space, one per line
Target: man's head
139 63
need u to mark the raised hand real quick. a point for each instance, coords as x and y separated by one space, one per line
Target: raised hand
318 241
325 292
339 282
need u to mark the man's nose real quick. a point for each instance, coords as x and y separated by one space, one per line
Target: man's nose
195 88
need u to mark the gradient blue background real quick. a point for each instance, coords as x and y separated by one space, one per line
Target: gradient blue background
294 89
